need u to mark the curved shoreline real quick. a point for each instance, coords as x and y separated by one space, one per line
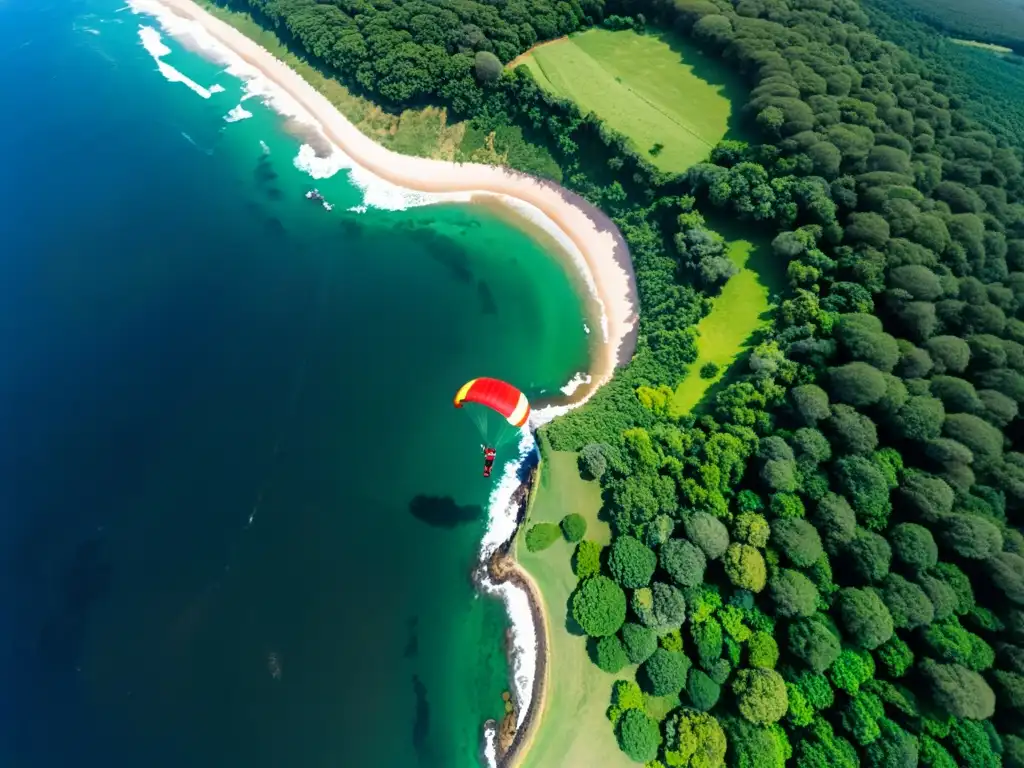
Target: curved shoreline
581 231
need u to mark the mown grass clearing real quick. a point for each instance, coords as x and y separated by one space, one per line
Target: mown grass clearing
739 311
574 730
656 89
1000 49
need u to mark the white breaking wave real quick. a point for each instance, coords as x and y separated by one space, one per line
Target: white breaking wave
358 209
264 147
236 114
586 328
575 383
154 44
377 193
216 88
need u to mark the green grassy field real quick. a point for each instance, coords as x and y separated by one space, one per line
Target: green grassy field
739 311
653 88
574 730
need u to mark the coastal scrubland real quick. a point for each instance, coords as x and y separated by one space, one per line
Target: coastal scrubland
825 567
673 103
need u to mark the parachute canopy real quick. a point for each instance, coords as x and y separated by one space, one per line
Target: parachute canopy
497 395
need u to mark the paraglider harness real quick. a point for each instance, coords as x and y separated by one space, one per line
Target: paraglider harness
489 454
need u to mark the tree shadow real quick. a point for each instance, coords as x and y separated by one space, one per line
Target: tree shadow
571 625
714 72
443 512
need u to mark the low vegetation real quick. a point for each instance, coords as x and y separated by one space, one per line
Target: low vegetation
672 102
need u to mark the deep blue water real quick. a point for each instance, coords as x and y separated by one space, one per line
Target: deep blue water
217 404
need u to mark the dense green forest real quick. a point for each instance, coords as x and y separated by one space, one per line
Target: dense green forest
824 565
984 86
993 21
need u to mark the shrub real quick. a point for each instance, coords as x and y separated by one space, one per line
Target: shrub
541 536
948 353
661 608
866 620
1006 570
852 432
866 487
972 537
926 496
660 530
609 655
593 460
751 528
800 713
683 561
907 603
745 567
762 651
816 689
760 695
708 533
914 546
893 748
639 642
694 740
599 606
950 642
858 384
810 403
665 672
719 670
860 717
895 657
958 691
835 520
574 527
958 582
754 746
869 555
587 560
631 562
702 690
813 643
976 744
639 736
921 418
1011 689
487 66
793 593
810 444
851 670
940 594
974 432
798 540
787 505
709 370
707 637
1013 751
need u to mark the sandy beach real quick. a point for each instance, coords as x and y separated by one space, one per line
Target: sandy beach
586 235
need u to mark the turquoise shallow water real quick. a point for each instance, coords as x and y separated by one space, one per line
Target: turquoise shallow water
239 512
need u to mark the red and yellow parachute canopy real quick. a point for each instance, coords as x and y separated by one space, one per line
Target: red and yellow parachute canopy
497 395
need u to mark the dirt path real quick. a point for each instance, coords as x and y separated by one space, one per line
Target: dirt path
522 56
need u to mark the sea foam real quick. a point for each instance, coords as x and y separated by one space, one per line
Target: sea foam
154 45
236 114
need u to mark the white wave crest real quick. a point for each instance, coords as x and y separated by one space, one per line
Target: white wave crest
216 88
264 147
501 526
154 45
575 383
236 114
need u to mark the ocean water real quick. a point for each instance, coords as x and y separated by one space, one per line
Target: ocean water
239 513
